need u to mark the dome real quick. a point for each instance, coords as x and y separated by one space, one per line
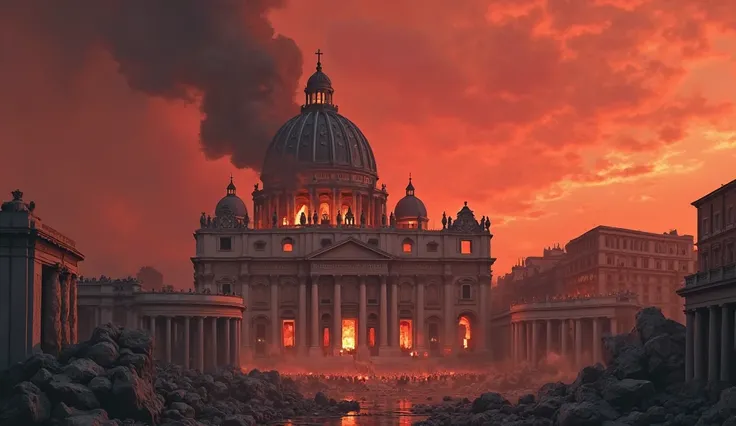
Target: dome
319 137
231 204
410 207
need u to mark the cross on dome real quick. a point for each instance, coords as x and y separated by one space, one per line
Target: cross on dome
319 59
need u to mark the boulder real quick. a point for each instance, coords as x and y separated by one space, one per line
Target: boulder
133 397
579 414
82 370
28 405
628 393
73 394
103 353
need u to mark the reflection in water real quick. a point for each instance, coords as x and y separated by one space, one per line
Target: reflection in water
349 420
374 412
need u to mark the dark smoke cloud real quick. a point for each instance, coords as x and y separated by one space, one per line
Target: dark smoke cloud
222 55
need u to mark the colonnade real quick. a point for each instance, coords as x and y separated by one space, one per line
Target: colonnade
575 339
710 351
309 316
200 342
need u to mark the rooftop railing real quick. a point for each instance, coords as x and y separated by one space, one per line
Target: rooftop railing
711 276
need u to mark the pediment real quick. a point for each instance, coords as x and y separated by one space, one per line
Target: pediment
350 249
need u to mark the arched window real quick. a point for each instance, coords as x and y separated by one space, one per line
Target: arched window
226 289
407 246
287 245
465 290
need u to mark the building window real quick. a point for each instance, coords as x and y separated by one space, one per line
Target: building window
466 247
465 292
406 246
609 260
226 243
259 245
287 245
325 242
730 215
716 222
705 230
432 247
373 242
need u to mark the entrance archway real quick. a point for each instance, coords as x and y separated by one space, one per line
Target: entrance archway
465 329
260 328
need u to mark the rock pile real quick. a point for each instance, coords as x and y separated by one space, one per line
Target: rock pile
111 380
642 385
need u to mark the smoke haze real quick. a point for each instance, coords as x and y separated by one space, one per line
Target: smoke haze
223 55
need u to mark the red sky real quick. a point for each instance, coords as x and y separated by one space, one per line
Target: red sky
550 116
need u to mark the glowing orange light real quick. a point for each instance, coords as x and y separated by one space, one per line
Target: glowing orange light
348 334
465 323
288 247
284 221
298 216
372 337
326 337
287 332
405 331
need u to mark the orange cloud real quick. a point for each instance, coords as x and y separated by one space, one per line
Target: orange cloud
546 115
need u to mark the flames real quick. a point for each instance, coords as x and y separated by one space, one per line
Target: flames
297 217
405 331
465 323
348 334
287 333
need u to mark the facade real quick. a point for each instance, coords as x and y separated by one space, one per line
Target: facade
710 294
38 284
606 260
324 264
534 277
194 329
569 326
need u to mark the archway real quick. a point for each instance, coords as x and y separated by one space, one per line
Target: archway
465 329
325 334
433 335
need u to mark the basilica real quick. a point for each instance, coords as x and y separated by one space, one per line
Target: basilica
326 266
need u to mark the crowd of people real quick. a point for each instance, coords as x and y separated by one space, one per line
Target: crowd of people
310 383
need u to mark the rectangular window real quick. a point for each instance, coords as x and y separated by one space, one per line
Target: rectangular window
730 215
288 247
716 222
287 333
406 247
226 243
466 292
466 247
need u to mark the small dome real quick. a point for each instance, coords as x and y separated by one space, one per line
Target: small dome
410 207
231 204
319 81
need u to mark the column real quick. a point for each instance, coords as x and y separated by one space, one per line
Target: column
726 344
168 339
549 337
337 317
383 319
226 341
535 339
64 316
50 312
275 345
363 318
596 340
238 324
301 325
699 372
73 314
449 315
514 351
528 344
419 323
152 328
186 342
200 346
482 332
315 316
578 341
713 343
563 339
213 347
689 344
245 324
395 314
614 326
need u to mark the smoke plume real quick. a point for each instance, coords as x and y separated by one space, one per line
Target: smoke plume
222 55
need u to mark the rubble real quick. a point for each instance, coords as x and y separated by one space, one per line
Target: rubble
111 380
642 384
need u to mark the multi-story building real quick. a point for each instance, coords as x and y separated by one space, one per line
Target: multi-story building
710 294
608 259
38 283
533 277
326 267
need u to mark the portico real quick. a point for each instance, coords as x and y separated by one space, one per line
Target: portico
571 327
